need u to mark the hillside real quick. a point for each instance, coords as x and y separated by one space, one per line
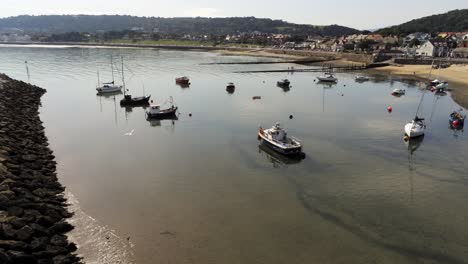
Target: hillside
453 21
187 25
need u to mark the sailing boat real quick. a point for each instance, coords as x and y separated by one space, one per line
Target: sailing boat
128 100
417 126
109 87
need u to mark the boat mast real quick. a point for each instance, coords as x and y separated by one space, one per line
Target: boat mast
420 103
123 77
112 70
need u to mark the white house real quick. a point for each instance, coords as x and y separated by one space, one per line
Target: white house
426 49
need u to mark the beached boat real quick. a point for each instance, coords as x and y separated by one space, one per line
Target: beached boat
416 128
156 112
183 80
230 86
361 78
327 77
457 119
128 100
108 87
441 85
283 83
434 82
398 92
277 139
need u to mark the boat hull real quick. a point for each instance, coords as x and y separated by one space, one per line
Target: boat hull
331 80
289 151
139 101
167 113
112 89
413 131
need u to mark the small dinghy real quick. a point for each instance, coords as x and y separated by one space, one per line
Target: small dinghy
361 78
230 86
457 119
283 83
278 139
434 82
156 112
416 128
128 100
183 80
398 92
327 77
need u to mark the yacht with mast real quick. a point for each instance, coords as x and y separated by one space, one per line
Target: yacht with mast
417 126
109 87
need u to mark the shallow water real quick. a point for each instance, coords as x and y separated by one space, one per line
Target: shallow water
200 189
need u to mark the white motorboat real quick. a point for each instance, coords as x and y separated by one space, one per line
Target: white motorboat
416 128
361 78
435 82
109 87
277 138
327 77
156 112
398 92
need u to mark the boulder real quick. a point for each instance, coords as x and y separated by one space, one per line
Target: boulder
13 245
24 233
59 240
21 257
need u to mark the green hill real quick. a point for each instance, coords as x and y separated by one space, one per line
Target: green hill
182 25
453 21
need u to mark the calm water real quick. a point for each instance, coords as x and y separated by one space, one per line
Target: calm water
200 189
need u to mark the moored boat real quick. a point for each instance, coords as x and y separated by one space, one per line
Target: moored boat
327 77
109 87
128 100
277 139
416 128
457 119
230 85
156 112
283 83
442 85
183 80
361 78
398 92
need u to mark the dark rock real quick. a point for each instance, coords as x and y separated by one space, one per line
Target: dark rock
59 240
16 211
38 229
41 192
61 227
17 222
8 231
13 245
21 257
29 157
45 261
39 243
65 259
4 258
45 221
24 233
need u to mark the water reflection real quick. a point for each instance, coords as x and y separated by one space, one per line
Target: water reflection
276 159
413 144
230 89
183 85
109 95
156 122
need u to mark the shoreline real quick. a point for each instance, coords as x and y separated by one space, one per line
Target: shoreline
456 75
33 209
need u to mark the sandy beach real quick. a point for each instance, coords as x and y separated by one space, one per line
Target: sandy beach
455 74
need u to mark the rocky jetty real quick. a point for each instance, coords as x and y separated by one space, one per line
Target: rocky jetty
32 206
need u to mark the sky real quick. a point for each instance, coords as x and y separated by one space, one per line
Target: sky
360 14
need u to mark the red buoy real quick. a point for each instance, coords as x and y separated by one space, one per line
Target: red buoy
389 109
455 123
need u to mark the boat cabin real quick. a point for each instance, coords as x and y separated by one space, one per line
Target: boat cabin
278 133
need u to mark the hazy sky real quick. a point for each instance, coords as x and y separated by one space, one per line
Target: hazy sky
361 14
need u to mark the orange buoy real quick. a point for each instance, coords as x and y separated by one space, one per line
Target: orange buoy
405 138
389 109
